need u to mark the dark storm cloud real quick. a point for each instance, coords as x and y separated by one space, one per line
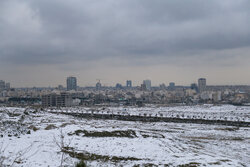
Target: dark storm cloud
60 31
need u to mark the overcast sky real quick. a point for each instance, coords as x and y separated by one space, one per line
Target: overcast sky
44 41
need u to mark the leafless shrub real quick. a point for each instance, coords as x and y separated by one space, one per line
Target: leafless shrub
62 145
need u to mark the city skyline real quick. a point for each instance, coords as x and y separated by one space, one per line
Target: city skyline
122 82
71 83
42 42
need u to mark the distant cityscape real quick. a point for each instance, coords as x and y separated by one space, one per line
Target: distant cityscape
73 95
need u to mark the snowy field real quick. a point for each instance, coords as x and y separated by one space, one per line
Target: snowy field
206 112
34 138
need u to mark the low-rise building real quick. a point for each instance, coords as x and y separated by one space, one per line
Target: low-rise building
57 100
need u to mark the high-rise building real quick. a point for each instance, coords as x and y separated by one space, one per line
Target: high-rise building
129 83
7 86
118 86
71 83
162 86
201 84
143 87
147 83
194 86
98 85
2 85
60 87
171 86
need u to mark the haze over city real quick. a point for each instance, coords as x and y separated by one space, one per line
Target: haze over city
43 42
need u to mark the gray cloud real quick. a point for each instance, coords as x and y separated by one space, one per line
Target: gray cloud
42 32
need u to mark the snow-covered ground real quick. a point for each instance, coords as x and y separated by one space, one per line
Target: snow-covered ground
207 112
34 135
